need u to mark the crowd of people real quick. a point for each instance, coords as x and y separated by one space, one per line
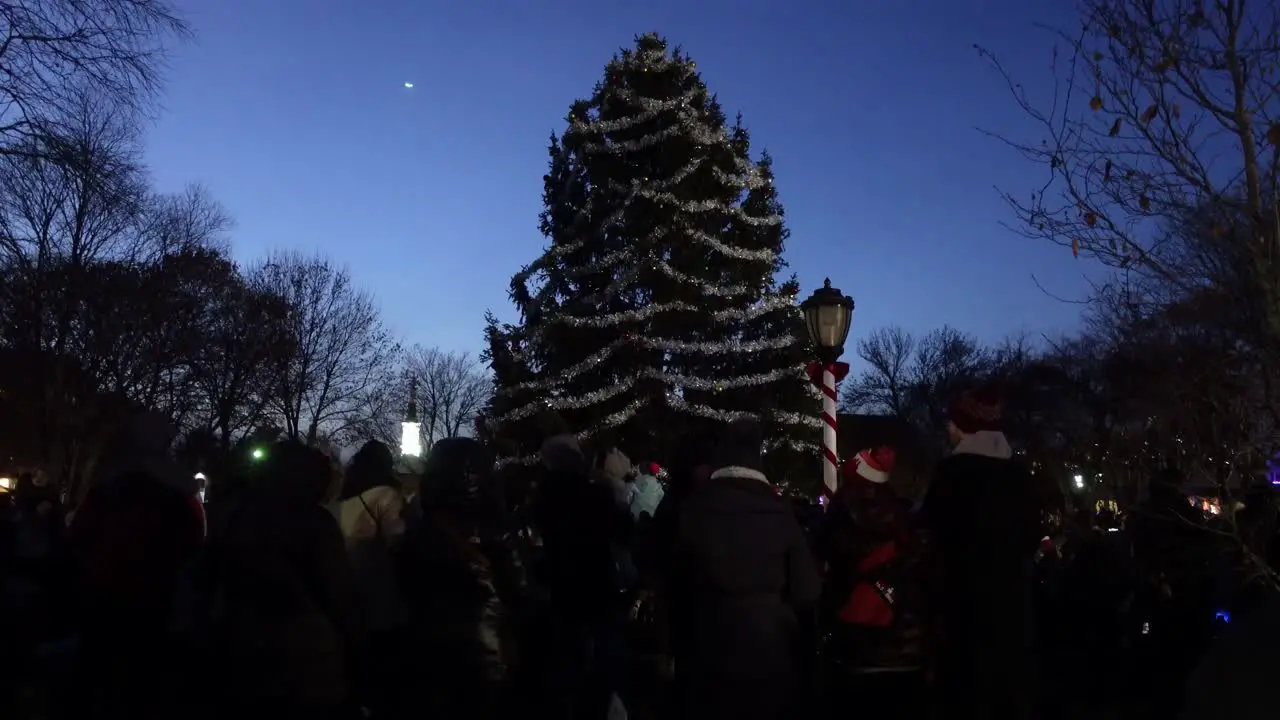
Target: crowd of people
595 593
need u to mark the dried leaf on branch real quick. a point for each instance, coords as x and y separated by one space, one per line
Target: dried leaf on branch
1168 101
1185 208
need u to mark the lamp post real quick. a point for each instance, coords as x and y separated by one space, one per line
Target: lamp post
827 315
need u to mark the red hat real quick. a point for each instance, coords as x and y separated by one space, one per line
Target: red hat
655 469
872 465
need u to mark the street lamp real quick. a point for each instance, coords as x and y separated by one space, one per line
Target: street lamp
827 315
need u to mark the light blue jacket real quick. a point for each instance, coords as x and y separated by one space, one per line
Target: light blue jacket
646 493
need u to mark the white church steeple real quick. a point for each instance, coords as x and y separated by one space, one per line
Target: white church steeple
411 429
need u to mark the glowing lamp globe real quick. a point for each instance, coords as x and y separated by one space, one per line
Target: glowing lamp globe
827 315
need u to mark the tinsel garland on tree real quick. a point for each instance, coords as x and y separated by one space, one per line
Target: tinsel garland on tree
655 310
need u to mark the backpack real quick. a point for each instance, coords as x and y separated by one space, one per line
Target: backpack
874 599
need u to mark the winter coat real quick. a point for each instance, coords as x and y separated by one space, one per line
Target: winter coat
983 520
862 519
646 495
373 526
741 580
462 590
666 524
464 582
287 620
612 471
581 528
132 535
134 538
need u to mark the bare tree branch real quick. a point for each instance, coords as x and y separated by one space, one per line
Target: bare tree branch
339 348
914 379
49 48
452 389
1160 107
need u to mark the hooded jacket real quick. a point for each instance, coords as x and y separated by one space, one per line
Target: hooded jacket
136 536
646 495
289 625
982 515
581 525
463 581
742 577
141 520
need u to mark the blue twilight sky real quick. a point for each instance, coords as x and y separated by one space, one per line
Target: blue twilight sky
295 115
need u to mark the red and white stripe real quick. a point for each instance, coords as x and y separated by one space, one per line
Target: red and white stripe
871 474
831 468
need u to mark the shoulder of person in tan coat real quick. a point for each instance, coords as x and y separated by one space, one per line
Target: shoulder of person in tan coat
378 508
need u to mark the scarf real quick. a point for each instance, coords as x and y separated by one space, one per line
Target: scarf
985 443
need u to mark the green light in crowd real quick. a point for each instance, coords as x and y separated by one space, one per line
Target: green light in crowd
259 453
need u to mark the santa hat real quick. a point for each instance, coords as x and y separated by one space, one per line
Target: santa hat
872 465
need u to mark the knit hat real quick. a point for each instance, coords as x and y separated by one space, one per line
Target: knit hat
977 410
457 474
741 445
295 470
872 465
372 466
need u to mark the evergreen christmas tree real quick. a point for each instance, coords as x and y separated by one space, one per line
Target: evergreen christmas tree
655 310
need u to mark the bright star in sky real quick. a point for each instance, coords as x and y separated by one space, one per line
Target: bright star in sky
409 85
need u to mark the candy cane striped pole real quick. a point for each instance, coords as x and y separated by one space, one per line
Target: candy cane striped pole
830 468
827 314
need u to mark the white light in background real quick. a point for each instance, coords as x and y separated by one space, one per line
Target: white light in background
6 483
1079 480
410 439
